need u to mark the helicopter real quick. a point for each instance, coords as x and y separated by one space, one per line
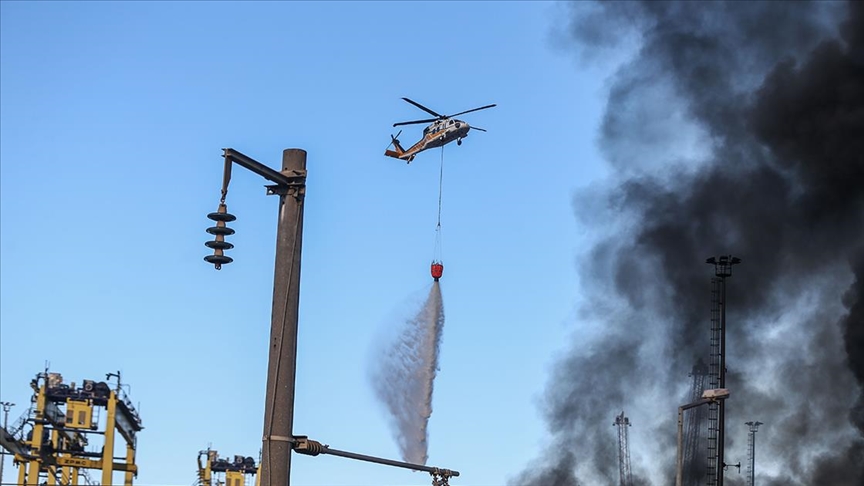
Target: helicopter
442 130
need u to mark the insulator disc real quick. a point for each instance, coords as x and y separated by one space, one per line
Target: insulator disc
218 259
227 217
218 245
220 230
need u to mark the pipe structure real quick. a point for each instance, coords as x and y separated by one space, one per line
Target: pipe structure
309 447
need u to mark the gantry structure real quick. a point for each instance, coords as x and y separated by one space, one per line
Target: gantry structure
216 471
55 442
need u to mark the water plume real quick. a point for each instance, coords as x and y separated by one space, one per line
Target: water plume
404 375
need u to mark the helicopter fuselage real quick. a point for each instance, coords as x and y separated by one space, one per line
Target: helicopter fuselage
442 132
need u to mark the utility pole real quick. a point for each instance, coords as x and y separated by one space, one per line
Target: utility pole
6 407
751 462
290 186
278 440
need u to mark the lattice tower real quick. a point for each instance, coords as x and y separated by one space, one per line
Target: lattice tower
623 423
694 429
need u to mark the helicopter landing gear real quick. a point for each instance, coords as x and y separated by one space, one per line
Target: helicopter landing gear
458 141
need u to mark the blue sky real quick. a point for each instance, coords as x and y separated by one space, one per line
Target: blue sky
113 119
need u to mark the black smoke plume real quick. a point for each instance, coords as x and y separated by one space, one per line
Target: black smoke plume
735 128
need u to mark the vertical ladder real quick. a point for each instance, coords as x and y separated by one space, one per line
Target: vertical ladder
751 456
714 381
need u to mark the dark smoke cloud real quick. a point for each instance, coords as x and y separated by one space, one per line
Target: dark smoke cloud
735 128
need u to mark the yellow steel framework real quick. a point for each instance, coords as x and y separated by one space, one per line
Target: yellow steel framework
235 472
54 451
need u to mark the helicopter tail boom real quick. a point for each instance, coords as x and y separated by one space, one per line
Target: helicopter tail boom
397 153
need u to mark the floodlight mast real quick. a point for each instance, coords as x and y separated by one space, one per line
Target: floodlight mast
722 269
751 462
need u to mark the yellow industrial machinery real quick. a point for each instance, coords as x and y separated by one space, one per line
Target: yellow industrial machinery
63 418
214 471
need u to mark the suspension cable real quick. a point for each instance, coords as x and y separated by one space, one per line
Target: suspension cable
437 252
440 186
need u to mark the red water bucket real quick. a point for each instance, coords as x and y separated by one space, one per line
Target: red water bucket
437 270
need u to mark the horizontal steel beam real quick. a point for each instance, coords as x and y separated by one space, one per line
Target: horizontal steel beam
266 172
389 462
304 445
91 464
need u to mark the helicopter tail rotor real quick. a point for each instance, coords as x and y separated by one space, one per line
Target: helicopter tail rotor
393 140
397 153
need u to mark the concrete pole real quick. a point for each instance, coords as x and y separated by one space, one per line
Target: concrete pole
279 405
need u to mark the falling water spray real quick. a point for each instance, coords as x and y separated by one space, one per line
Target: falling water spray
405 374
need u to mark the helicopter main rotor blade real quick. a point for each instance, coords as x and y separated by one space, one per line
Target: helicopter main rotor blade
428 120
427 110
469 111
477 128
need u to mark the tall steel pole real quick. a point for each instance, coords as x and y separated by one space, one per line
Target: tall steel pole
751 463
6 407
722 269
279 405
721 435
